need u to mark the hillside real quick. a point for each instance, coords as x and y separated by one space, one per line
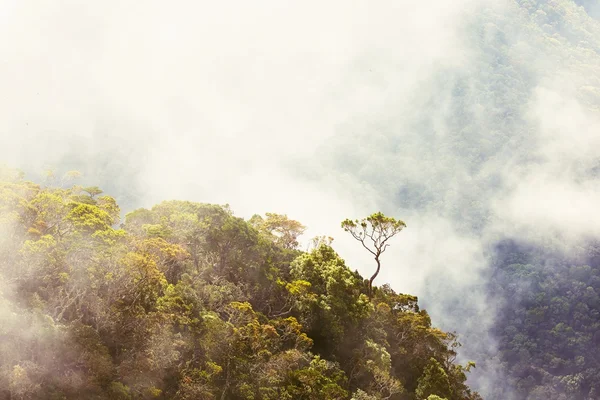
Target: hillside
495 143
549 323
187 301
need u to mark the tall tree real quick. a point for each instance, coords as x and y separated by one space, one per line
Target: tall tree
284 231
373 233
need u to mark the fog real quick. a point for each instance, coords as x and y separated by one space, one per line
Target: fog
470 120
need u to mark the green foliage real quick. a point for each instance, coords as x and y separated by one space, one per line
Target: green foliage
549 340
283 230
187 301
373 233
434 381
332 301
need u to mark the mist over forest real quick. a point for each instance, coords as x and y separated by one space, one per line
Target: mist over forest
476 122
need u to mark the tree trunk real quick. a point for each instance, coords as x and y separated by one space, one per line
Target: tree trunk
374 276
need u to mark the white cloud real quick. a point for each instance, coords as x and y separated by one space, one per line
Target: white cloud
228 102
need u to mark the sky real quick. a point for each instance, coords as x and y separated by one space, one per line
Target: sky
471 120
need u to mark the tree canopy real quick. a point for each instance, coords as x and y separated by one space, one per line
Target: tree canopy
187 301
373 233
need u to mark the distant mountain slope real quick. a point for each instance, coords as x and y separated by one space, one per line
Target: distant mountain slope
548 325
502 145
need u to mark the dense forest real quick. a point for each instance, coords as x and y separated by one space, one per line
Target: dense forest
187 301
549 324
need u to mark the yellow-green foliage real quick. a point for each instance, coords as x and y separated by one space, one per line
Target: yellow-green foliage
187 301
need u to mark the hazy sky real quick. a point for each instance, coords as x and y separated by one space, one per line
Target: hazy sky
472 120
229 103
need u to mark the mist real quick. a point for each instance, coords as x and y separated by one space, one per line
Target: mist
473 121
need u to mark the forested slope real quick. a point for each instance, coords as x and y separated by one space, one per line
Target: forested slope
187 301
503 148
549 324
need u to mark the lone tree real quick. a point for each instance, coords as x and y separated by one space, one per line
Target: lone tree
373 233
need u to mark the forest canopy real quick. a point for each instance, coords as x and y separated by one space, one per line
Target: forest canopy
187 301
